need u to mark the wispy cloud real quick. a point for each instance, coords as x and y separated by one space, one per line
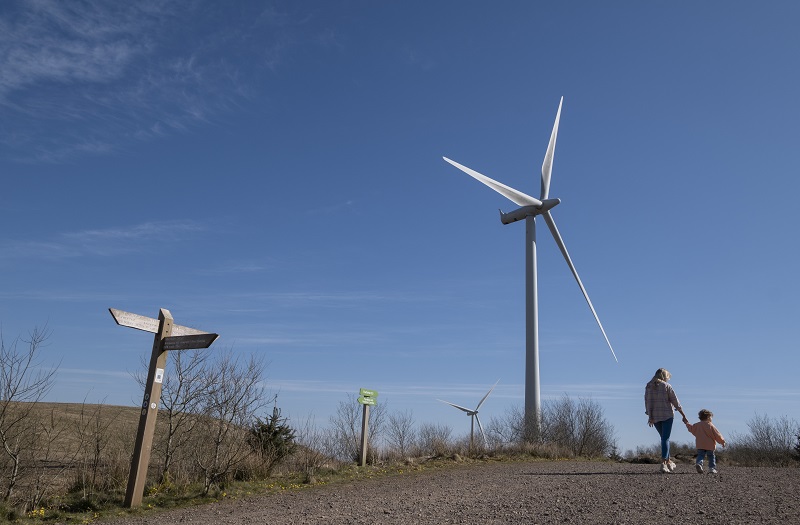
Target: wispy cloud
85 77
100 242
235 267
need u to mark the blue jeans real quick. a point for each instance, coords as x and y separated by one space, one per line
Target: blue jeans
712 459
664 430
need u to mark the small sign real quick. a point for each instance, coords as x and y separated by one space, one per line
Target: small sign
368 393
367 400
186 342
159 378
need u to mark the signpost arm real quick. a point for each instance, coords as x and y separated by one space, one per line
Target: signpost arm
147 419
364 432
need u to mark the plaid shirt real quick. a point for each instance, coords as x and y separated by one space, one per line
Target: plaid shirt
659 400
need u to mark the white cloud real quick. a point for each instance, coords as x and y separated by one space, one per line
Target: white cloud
103 242
86 77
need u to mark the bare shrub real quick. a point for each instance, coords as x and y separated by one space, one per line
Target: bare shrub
434 439
769 442
312 452
400 432
577 427
504 430
50 462
93 438
568 428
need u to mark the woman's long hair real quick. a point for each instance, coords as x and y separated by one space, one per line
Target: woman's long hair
662 374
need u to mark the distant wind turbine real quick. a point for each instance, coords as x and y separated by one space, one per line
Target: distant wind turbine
473 414
530 208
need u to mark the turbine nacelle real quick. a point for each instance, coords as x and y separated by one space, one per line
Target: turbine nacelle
525 211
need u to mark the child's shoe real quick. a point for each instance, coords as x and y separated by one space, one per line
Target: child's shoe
712 471
665 469
671 465
699 468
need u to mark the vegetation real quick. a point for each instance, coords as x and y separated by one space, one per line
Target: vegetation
70 462
272 440
769 442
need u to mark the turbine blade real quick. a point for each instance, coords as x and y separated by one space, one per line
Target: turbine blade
452 405
557 236
508 192
485 441
547 165
484 397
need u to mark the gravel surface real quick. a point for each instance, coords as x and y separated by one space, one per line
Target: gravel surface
521 492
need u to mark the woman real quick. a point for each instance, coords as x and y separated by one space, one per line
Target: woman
660 402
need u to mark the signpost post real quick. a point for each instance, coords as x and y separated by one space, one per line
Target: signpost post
168 336
367 398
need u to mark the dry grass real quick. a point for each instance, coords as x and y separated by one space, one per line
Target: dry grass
82 421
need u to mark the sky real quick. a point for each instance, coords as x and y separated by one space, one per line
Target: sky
272 172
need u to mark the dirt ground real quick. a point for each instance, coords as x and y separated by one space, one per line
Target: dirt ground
522 492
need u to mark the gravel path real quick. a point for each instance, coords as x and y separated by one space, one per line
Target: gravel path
521 492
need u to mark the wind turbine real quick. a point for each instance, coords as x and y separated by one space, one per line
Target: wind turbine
473 414
530 208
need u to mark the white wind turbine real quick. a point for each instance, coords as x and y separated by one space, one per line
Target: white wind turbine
473 414
530 208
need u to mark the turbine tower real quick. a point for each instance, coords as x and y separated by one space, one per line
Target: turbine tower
473 414
530 209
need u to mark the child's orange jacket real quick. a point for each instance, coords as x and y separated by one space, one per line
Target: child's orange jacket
707 435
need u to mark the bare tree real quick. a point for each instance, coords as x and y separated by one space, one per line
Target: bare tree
23 383
400 432
236 393
182 392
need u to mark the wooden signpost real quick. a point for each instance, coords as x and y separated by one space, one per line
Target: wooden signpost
367 398
169 336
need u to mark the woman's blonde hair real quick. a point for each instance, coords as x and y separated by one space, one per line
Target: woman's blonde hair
662 374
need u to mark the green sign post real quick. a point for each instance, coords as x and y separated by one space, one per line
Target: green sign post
366 398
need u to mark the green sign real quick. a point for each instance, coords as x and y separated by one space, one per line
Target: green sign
368 393
367 400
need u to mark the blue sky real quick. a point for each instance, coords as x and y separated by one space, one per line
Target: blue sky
272 172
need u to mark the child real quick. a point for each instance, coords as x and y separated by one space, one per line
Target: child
707 438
